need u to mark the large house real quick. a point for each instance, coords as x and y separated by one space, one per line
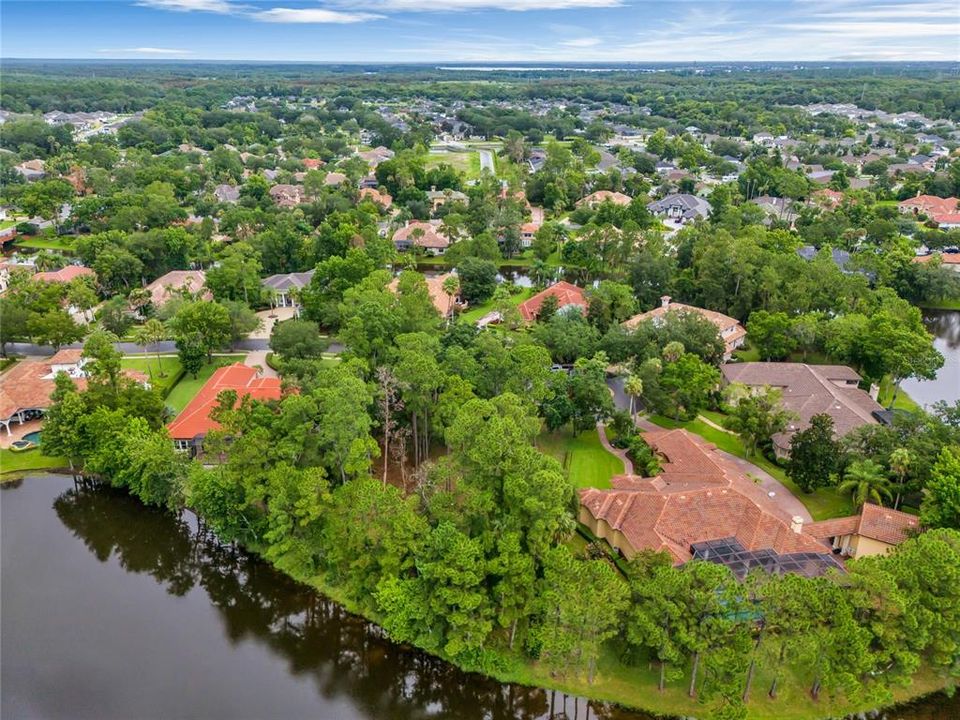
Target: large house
284 286
809 390
442 301
929 205
601 196
701 506
875 531
442 197
176 283
227 193
65 274
189 428
287 196
681 208
384 199
951 261
567 295
27 387
731 331
423 235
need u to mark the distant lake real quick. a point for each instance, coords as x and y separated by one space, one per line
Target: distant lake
945 326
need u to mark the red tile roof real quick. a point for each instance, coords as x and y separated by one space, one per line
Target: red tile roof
166 286
945 258
565 293
699 496
874 522
929 204
65 275
427 237
195 420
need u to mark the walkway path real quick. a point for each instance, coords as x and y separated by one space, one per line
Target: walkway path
258 358
486 162
622 454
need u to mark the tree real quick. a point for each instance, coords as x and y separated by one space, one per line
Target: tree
633 387
62 430
55 328
900 461
756 416
770 334
687 383
191 352
208 323
300 339
153 332
478 279
243 320
14 323
814 454
589 394
115 316
45 197
941 498
865 480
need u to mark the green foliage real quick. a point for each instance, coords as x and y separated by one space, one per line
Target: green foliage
814 454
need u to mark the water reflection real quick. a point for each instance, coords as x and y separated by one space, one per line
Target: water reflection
341 653
945 326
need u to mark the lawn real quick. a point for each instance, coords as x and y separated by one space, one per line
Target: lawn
43 243
904 401
477 312
185 390
586 461
823 504
466 162
33 459
148 364
943 304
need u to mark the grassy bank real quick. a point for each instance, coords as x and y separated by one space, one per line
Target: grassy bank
14 464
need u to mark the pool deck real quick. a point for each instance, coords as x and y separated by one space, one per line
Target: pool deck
17 431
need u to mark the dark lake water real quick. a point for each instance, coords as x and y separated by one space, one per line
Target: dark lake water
111 610
945 326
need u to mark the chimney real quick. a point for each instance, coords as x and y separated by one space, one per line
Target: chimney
664 301
796 524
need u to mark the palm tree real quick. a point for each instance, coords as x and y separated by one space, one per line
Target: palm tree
451 286
633 386
153 332
900 461
865 480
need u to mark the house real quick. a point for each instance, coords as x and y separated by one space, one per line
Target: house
383 199
602 196
528 232
809 390
31 170
775 208
681 207
567 295
227 193
177 283
442 197
376 156
947 221
423 235
334 178
763 138
875 531
826 198
702 506
951 261
928 205
442 301
65 274
27 387
537 159
841 258
732 333
312 163
190 427
284 286
287 196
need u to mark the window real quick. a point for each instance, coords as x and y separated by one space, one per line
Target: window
182 445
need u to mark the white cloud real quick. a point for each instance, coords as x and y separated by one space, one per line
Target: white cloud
147 51
460 5
214 6
312 15
583 42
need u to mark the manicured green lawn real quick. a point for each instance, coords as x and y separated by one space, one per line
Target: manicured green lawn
944 304
33 459
904 401
586 461
478 311
170 365
823 504
184 391
43 243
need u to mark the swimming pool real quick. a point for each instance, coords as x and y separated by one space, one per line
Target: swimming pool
33 437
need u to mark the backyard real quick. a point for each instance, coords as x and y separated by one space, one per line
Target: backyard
585 460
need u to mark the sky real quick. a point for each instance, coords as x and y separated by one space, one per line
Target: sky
482 30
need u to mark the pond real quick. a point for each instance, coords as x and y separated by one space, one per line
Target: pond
112 610
945 326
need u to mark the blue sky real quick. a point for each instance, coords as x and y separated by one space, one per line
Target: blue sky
482 30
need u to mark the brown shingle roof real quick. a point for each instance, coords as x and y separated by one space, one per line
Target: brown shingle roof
810 390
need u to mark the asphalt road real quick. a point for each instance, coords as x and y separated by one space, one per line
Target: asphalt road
129 348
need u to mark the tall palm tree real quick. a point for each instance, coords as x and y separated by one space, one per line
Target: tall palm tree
152 332
633 386
451 287
866 480
900 461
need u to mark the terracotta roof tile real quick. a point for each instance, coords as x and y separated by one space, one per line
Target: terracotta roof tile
565 293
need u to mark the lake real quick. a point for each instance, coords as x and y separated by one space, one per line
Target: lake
113 610
945 326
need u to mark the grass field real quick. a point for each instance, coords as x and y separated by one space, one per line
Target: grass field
944 304
185 390
477 312
466 162
43 243
172 370
18 462
586 461
904 401
823 504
